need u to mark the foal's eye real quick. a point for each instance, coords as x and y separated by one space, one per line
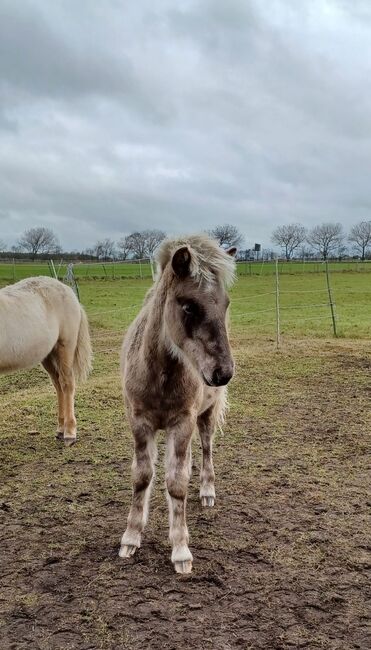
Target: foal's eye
189 308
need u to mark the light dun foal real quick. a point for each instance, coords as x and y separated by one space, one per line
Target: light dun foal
41 321
176 362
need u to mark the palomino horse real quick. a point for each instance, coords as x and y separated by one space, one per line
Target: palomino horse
41 320
176 362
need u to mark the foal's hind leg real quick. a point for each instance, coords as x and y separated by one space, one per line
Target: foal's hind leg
143 472
206 428
50 367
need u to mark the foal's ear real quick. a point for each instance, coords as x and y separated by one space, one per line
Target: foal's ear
231 251
181 261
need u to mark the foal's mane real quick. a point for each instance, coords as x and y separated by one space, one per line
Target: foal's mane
208 260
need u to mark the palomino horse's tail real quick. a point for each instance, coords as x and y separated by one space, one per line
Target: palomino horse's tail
83 353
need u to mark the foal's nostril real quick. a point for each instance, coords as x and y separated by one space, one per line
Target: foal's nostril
221 377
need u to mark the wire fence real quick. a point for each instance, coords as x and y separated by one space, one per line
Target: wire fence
283 311
283 308
13 270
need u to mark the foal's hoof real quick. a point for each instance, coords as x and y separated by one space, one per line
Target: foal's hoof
183 567
69 441
59 435
207 502
127 550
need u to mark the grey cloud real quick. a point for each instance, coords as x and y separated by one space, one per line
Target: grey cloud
183 115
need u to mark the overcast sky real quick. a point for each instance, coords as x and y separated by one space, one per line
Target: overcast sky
117 116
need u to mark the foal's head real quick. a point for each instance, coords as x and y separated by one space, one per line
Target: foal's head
197 273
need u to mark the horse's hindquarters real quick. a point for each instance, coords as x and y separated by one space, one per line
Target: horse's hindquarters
27 336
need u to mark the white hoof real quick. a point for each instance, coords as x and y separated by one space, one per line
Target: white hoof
182 559
127 550
207 502
183 567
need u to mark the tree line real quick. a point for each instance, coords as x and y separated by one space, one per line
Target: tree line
42 242
325 240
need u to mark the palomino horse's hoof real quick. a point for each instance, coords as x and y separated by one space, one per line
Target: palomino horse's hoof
59 435
183 567
68 442
127 550
207 502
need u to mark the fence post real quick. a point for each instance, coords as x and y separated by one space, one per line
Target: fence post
140 270
278 337
152 269
13 269
53 272
59 267
332 304
71 280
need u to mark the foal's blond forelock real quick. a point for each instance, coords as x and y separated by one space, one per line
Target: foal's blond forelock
208 259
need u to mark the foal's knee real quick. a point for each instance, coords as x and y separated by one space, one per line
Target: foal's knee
142 475
177 484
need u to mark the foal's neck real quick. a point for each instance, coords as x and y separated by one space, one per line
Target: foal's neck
154 338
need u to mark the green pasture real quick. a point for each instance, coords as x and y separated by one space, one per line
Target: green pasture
13 271
304 309
118 270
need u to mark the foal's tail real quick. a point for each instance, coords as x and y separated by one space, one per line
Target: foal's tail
82 363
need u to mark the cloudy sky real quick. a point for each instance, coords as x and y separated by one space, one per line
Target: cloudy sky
117 116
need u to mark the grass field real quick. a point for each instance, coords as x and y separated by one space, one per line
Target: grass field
279 563
303 299
129 270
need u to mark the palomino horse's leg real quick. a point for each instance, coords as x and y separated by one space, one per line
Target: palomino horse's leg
143 469
206 428
178 456
50 367
65 355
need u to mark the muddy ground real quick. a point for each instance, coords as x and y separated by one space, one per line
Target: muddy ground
280 562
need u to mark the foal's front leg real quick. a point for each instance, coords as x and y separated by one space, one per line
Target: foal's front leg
143 473
206 428
177 478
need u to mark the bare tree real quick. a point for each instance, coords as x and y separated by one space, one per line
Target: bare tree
2 246
360 236
227 235
39 240
153 238
289 237
104 249
137 245
142 244
326 238
124 247
305 252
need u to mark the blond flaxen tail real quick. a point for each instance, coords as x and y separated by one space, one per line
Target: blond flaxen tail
82 363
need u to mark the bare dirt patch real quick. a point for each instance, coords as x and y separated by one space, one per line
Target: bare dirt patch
280 562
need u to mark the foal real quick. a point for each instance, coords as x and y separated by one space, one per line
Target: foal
176 362
41 321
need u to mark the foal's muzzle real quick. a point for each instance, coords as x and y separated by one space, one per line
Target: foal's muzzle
220 377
